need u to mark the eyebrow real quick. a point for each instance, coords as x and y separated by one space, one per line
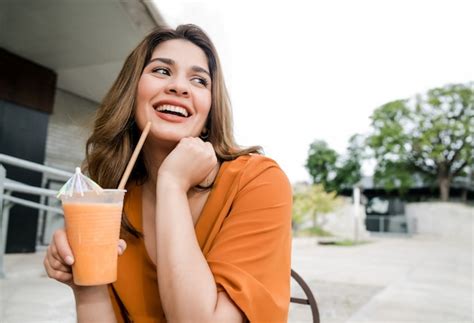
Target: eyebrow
171 62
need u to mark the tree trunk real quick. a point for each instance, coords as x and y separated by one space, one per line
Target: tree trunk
444 185
315 217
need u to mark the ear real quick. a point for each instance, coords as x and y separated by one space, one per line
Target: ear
204 134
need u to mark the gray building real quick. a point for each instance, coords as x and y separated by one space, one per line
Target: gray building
58 58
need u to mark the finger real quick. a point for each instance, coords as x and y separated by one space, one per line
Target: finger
210 149
64 277
186 140
48 268
62 246
57 264
122 246
53 253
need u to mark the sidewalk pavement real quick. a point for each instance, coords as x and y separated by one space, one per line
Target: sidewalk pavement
423 279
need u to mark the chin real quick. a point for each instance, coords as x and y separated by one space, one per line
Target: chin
170 136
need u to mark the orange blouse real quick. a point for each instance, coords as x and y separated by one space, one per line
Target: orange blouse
244 232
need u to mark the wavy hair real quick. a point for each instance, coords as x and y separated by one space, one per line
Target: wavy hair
115 132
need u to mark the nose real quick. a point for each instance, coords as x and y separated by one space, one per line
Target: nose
178 87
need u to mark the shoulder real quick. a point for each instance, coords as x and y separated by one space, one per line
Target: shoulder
254 169
251 164
246 162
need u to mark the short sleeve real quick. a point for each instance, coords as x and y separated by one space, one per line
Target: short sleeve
251 255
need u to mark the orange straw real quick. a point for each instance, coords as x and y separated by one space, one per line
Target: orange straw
133 159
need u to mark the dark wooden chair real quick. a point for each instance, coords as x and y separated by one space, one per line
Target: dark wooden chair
309 300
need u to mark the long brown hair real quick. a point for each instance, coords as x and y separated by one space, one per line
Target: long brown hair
115 132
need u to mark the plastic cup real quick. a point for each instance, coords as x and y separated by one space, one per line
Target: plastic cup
93 229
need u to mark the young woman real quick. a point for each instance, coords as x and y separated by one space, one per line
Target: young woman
206 223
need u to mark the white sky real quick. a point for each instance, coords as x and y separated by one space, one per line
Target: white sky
304 70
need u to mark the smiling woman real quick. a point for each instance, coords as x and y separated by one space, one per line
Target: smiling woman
207 224
174 93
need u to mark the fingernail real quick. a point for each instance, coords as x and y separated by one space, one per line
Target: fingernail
69 260
122 245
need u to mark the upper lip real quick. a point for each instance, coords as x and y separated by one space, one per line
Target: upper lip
175 103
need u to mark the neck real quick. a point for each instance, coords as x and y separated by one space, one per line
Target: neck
153 156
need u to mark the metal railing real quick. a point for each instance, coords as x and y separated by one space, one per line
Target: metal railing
8 186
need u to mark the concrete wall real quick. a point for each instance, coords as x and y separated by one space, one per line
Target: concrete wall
447 220
68 129
450 220
342 221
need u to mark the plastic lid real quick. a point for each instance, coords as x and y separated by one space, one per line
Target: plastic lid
79 184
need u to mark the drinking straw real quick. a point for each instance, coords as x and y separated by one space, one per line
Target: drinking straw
133 159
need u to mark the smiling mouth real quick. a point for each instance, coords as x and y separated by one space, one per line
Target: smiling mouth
173 110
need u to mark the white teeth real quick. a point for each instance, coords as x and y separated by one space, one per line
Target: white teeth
173 108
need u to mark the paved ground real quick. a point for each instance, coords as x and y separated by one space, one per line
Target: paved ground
425 278
419 279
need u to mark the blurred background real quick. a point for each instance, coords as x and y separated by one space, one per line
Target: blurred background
368 106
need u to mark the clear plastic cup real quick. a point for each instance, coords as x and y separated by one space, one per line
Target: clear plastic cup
93 229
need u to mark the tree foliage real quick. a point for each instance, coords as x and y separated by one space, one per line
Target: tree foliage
430 135
333 171
348 169
321 164
311 200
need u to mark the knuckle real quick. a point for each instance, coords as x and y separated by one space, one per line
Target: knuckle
58 275
49 271
56 264
211 155
53 250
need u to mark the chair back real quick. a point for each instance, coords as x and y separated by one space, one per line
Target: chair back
309 300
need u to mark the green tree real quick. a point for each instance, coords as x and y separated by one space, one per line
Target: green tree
430 135
333 171
311 200
348 169
321 164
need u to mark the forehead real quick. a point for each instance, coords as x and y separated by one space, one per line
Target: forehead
182 52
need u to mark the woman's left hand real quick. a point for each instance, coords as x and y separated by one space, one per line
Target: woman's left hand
189 164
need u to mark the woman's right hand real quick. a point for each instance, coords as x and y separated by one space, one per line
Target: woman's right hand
59 258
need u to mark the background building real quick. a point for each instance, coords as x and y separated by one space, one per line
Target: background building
58 58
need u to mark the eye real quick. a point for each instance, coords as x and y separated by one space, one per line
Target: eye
200 80
161 70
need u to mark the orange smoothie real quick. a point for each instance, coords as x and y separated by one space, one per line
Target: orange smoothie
93 230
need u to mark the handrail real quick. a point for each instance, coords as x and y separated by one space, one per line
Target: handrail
31 204
33 166
14 186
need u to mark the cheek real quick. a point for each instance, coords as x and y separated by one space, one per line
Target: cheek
144 89
144 92
205 102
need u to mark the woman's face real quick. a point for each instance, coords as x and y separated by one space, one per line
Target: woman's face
174 91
